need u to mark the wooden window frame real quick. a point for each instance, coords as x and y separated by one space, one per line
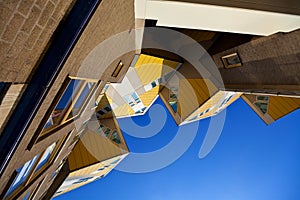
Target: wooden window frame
65 114
227 65
32 173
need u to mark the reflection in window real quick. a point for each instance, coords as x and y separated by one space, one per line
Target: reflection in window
232 60
262 103
81 99
225 101
30 169
109 133
63 103
101 129
262 106
115 137
46 156
262 98
22 174
173 105
134 102
81 180
106 132
70 103
115 161
173 98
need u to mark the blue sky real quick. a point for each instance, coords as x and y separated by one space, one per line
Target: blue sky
250 161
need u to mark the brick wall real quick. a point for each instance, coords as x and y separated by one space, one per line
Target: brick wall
25 29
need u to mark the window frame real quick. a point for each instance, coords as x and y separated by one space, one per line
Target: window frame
32 173
227 65
64 119
266 101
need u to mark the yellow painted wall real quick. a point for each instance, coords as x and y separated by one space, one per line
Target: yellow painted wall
123 110
148 97
91 171
91 149
280 106
192 93
214 100
150 68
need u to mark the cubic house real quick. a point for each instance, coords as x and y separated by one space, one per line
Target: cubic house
71 68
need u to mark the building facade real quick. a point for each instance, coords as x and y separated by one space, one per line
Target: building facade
54 102
41 119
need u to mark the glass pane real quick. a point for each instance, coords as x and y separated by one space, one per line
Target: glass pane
173 105
262 106
45 156
107 132
23 173
63 103
233 60
100 129
81 99
262 98
115 137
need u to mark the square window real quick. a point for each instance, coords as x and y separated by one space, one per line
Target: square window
153 84
231 61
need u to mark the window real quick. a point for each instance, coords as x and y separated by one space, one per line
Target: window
115 137
173 98
81 180
153 84
117 69
262 103
109 133
262 98
134 102
115 161
104 110
225 101
70 103
232 60
31 169
173 105
262 106
22 175
45 157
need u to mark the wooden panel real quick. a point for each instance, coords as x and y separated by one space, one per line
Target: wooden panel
123 110
192 94
150 68
280 106
92 148
144 68
148 97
